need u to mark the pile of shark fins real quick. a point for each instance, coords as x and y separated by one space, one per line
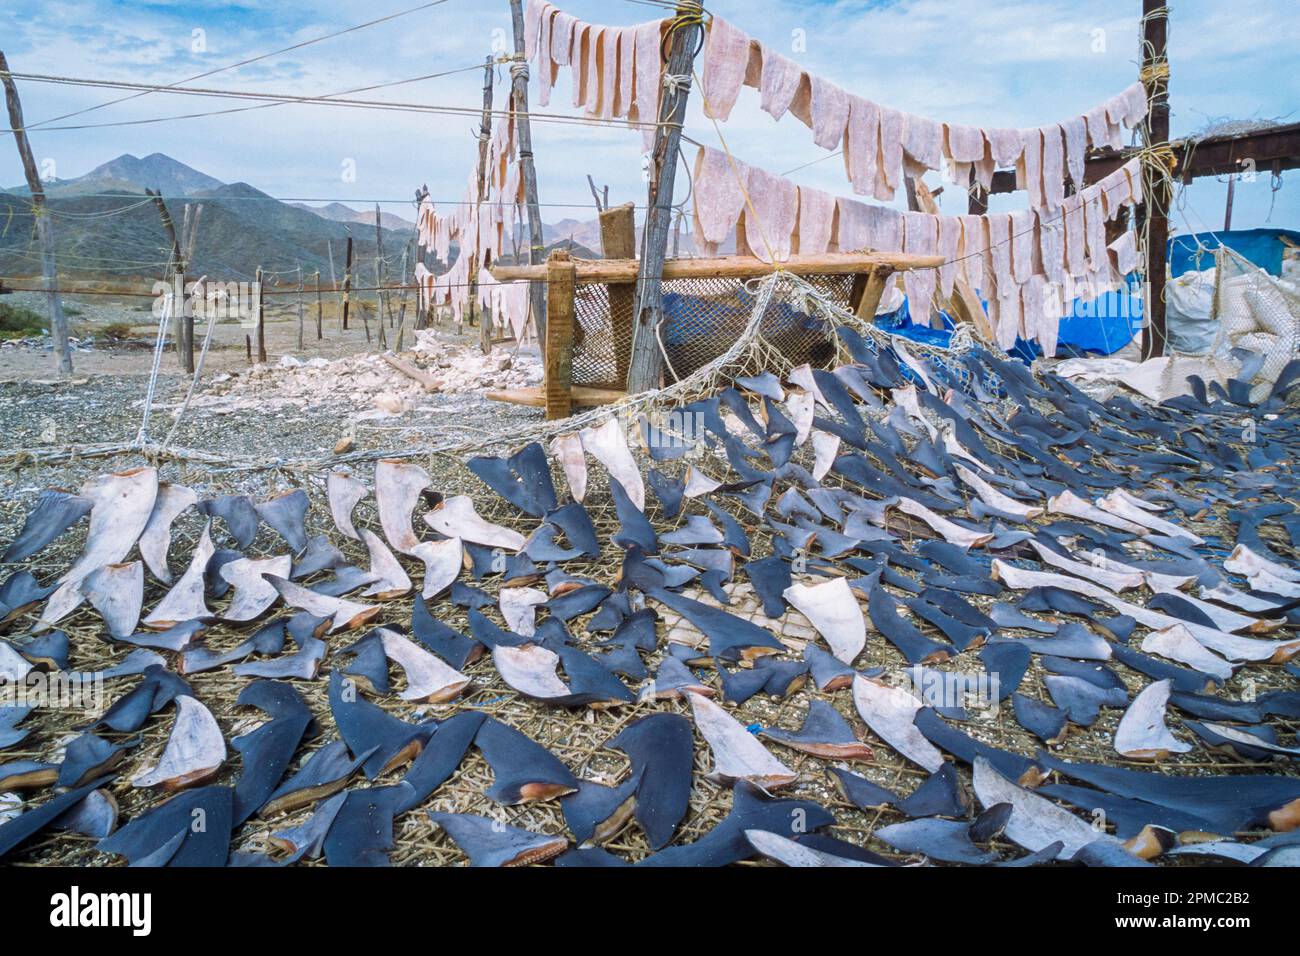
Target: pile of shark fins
890 507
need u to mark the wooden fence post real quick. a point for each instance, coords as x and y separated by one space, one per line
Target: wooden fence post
1155 75
646 364
44 228
561 281
320 309
618 241
523 132
261 319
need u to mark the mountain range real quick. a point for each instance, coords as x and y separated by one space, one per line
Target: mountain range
104 227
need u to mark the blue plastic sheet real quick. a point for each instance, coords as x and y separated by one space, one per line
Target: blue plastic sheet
1264 247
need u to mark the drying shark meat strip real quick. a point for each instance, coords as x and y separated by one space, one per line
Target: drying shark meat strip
492 843
55 512
343 615
390 580
608 445
116 591
397 491
889 712
344 493
660 749
833 610
737 755
824 734
768 223
267 750
456 518
251 579
369 729
525 771
726 60
172 500
194 753
428 678
1142 734
286 515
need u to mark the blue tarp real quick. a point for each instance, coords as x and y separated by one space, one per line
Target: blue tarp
1263 247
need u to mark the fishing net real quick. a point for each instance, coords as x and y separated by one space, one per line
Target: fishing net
1256 312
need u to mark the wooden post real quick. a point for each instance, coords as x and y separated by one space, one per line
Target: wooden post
618 241
320 309
379 283
347 282
175 271
484 140
401 298
561 282
300 307
189 239
963 304
645 367
523 132
44 228
877 280
261 319
1227 207
1155 75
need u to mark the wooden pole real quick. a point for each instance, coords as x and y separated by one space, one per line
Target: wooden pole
484 140
175 270
977 203
561 283
379 283
646 363
347 282
189 239
261 319
1155 75
41 217
523 132
320 310
618 241
1227 207
299 307
401 298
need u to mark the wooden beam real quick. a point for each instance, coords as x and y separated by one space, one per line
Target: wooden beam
44 228
1155 74
426 381
527 169
646 363
730 267
560 288
618 241
873 292
581 396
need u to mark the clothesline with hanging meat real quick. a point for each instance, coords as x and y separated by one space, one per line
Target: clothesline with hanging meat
1019 261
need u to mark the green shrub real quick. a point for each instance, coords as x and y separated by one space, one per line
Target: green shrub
17 322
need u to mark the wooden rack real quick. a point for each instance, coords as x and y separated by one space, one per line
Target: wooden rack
563 274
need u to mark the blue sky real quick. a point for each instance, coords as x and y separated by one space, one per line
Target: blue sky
969 61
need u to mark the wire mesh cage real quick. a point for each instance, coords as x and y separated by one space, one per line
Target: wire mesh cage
702 318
